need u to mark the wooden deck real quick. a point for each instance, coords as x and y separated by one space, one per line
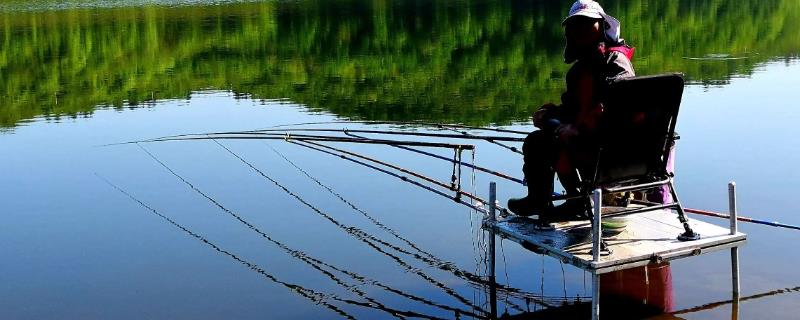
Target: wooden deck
648 237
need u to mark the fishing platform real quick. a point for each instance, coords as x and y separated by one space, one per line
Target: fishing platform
649 237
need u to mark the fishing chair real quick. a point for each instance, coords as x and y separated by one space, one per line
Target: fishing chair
636 135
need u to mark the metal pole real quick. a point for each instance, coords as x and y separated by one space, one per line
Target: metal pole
734 250
595 296
492 218
732 206
597 234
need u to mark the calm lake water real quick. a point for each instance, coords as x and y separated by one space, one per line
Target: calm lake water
77 75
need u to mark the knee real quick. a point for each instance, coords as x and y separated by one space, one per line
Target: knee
535 140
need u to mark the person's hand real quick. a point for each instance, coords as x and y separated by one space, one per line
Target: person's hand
539 115
566 132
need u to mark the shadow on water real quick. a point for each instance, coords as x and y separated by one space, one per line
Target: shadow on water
446 60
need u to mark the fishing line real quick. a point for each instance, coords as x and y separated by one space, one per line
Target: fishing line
491 140
505 270
404 178
302 256
414 123
433 155
315 297
460 273
287 136
359 234
563 278
464 136
471 278
472 233
406 171
353 206
456 179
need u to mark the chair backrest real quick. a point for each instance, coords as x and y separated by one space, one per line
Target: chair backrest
638 128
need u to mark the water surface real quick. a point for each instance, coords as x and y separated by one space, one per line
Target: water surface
77 75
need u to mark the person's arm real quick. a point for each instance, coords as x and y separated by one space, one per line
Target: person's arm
589 109
546 112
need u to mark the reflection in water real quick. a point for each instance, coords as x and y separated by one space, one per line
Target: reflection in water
648 289
445 60
314 296
709 306
442 60
356 208
316 263
636 293
376 244
363 236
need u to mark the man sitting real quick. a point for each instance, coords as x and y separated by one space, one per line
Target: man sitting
565 143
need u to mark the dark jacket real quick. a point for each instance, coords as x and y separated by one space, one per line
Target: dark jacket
606 66
582 103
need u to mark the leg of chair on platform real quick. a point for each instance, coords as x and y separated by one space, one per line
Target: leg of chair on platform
688 234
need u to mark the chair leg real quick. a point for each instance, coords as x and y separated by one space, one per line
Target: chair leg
688 234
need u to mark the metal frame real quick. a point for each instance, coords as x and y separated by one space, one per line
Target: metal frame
687 235
597 242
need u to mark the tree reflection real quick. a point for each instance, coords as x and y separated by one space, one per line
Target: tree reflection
447 60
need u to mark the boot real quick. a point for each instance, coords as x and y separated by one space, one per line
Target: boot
538 150
526 206
537 202
572 209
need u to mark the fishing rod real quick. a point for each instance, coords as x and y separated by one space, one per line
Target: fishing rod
743 219
462 274
490 140
472 166
725 216
360 234
408 123
438 264
388 132
409 172
388 229
414 174
312 262
314 296
307 138
352 205
538 300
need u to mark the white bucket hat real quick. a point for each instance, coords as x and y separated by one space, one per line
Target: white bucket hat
592 9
